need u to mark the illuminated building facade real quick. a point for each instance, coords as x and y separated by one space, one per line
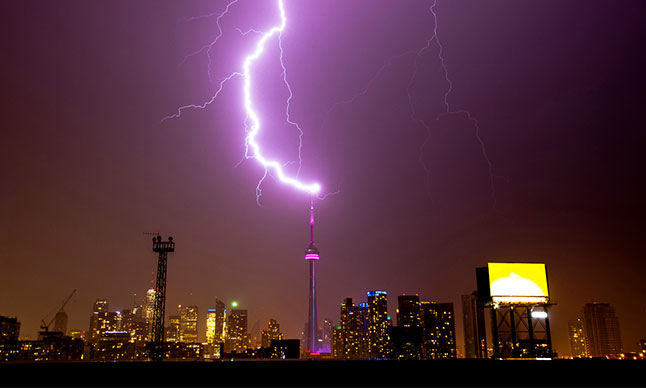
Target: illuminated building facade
210 326
475 333
188 324
409 313
102 320
237 336
220 321
272 332
172 331
602 334
438 322
378 323
148 310
337 345
352 331
576 335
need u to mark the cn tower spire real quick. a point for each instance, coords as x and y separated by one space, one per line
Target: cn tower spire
312 219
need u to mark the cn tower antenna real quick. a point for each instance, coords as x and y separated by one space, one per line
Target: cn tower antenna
312 218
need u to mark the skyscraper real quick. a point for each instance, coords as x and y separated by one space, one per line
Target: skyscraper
408 311
148 309
312 255
353 336
378 323
577 338
172 331
237 336
406 338
438 321
188 324
475 335
60 322
210 326
602 335
272 332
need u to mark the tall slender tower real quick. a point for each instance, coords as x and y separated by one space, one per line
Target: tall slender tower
312 255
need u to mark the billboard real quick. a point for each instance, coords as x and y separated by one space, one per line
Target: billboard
518 282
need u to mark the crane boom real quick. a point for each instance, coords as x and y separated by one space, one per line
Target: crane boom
45 326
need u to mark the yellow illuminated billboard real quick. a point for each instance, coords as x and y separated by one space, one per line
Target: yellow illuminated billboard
518 282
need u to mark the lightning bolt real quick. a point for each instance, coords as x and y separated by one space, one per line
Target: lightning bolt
252 122
447 107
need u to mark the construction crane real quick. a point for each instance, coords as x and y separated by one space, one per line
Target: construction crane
45 325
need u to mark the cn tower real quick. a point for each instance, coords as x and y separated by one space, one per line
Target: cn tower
312 255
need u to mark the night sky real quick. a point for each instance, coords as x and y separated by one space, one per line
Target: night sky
87 166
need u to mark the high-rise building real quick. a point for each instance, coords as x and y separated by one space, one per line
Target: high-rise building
220 320
100 320
408 311
237 336
337 345
378 323
577 338
475 334
352 333
602 333
210 326
60 322
172 331
438 322
148 310
188 324
406 338
272 332
312 255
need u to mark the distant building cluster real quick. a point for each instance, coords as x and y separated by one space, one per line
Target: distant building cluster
126 335
424 330
597 334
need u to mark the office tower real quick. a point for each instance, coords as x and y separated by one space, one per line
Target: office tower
363 311
97 320
134 325
60 322
148 307
188 323
352 324
272 332
210 326
337 346
475 334
311 255
602 333
237 336
408 311
438 322
406 338
577 338
378 323
172 331
220 320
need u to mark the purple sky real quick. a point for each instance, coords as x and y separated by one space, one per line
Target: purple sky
86 166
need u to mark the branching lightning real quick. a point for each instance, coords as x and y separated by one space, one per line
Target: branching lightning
447 111
252 123
447 107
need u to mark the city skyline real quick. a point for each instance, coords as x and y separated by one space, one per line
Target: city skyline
88 169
